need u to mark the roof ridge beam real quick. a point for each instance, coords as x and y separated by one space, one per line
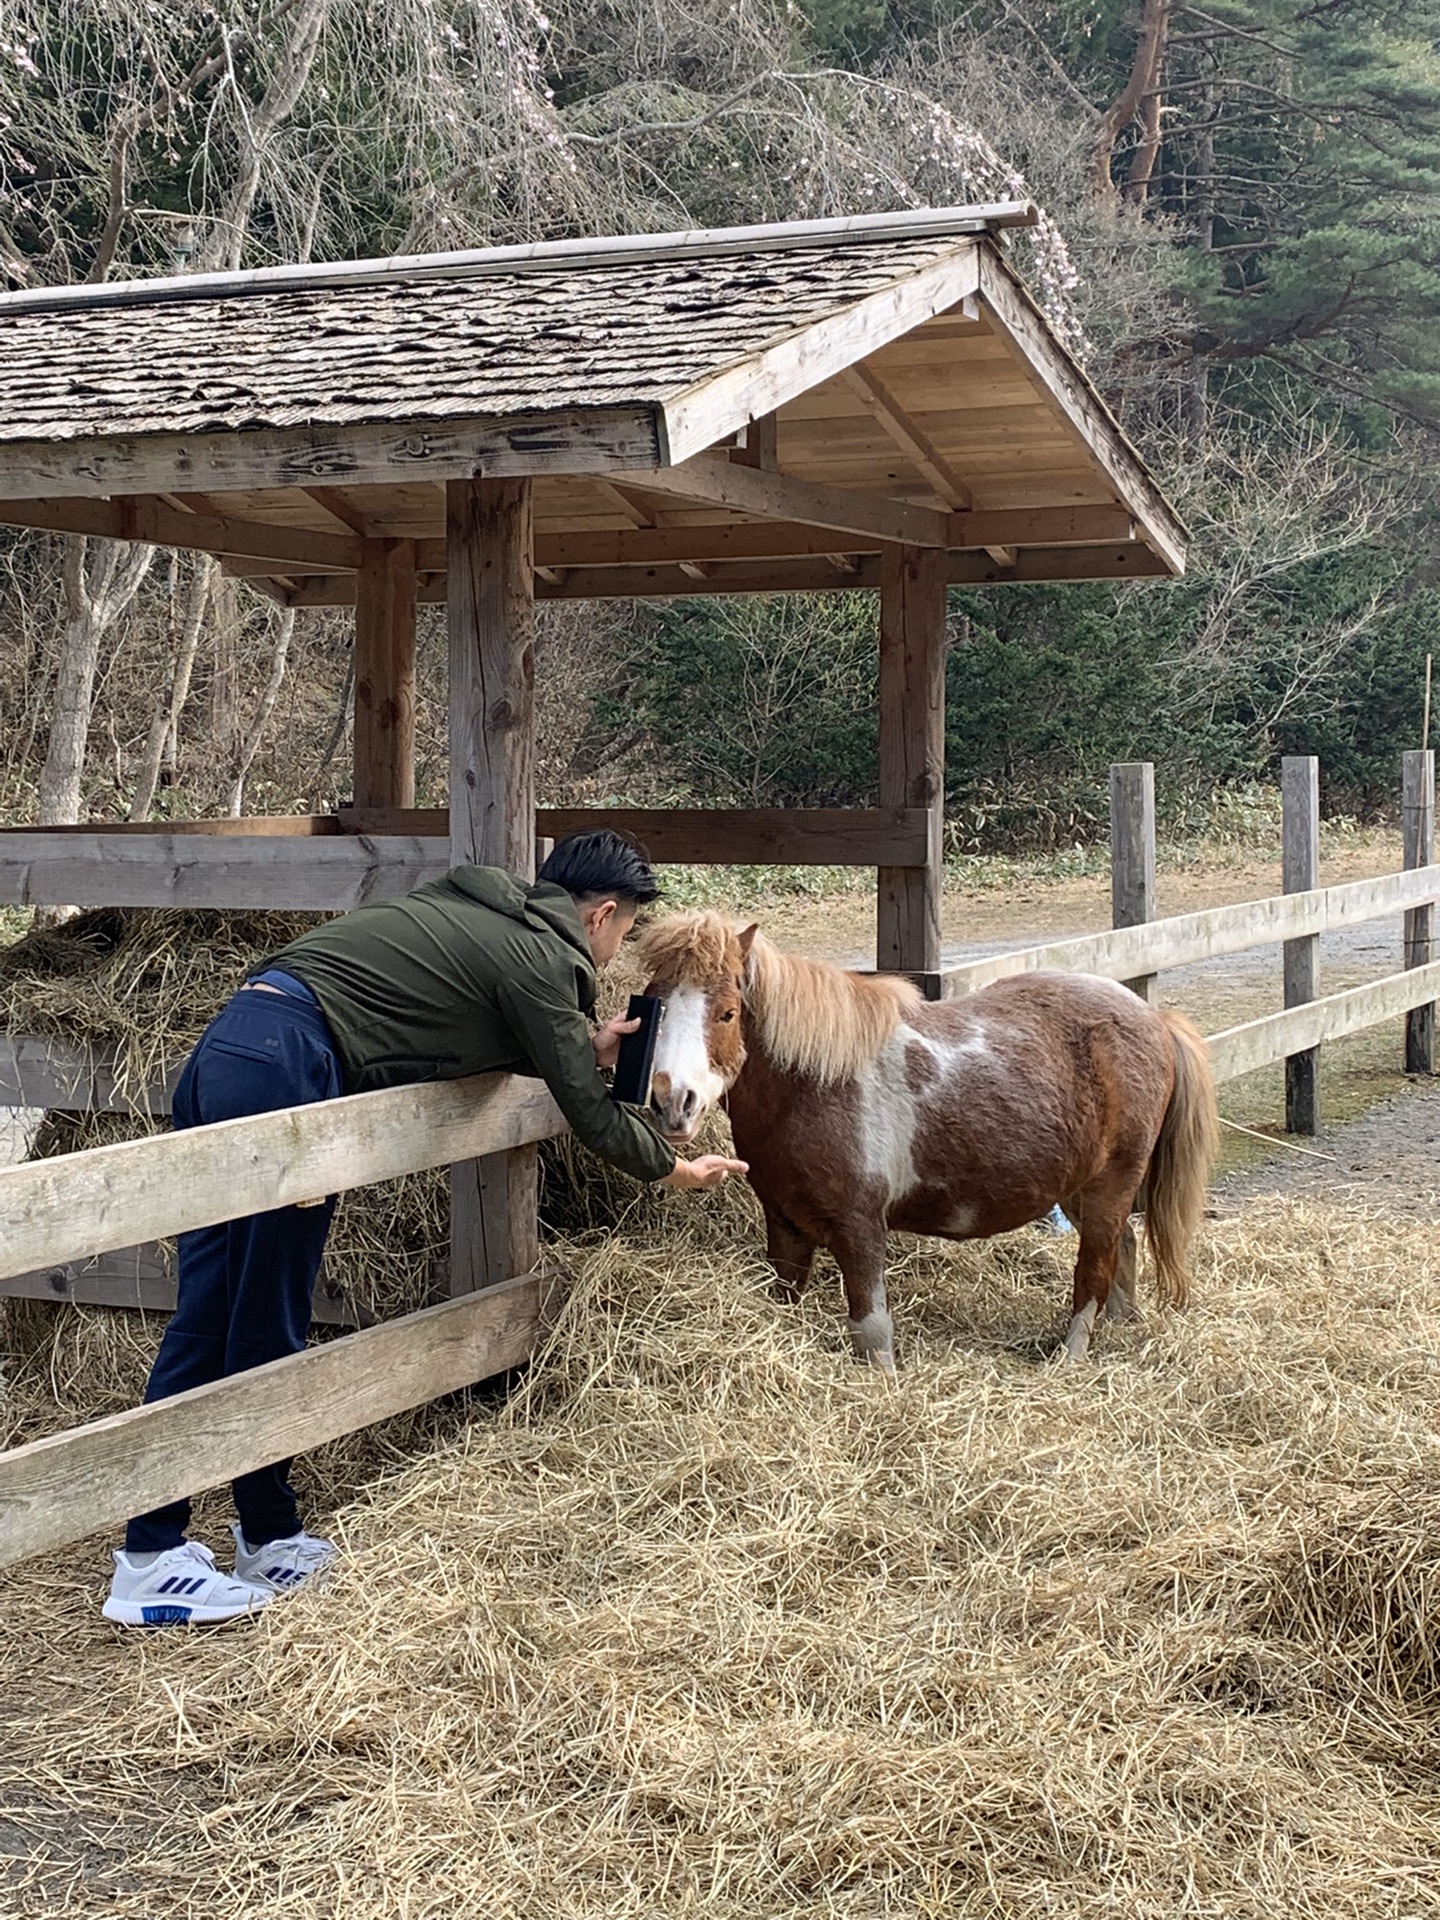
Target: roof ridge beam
544 256
758 383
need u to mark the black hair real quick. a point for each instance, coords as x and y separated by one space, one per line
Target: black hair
601 864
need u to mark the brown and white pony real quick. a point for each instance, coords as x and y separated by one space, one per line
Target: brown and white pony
861 1109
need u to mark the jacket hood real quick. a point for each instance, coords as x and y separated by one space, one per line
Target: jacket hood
543 906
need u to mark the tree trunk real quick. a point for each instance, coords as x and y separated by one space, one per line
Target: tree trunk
1141 87
101 578
248 747
161 745
257 128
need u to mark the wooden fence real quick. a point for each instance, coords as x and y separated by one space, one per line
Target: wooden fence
82 1205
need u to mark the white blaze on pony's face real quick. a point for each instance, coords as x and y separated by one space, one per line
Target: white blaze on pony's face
686 1082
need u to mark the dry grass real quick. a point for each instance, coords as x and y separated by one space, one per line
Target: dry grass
707 1621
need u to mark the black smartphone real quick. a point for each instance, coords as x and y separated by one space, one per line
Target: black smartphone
637 1051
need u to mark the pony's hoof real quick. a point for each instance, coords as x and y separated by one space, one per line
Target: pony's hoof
881 1360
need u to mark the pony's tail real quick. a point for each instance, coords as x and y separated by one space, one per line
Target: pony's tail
1181 1162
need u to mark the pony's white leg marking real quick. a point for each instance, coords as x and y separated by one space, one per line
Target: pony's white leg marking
1077 1340
681 1053
888 1114
961 1222
874 1336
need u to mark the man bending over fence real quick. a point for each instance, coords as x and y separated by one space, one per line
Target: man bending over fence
475 973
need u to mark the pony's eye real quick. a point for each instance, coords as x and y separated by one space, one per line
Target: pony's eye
727 1016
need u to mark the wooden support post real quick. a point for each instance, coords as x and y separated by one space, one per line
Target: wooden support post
1300 870
912 751
385 675
1417 809
494 1202
1132 857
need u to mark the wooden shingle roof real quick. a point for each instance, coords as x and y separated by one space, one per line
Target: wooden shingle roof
724 411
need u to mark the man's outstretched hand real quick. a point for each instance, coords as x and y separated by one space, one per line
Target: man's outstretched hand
709 1170
606 1040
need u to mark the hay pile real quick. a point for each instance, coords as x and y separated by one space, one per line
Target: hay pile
707 1621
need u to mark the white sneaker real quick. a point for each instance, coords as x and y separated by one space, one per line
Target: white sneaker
183 1587
284 1566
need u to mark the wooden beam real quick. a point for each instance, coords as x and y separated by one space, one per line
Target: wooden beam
1260 1043
141 518
812 574
761 382
78 1204
911 438
573 440
1056 375
1207 935
715 481
1417 817
142 1279
759 444
1132 857
1300 873
714 836
36 1071
912 751
494 1204
385 675
321 875
625 502
341 507
70 1484
266 826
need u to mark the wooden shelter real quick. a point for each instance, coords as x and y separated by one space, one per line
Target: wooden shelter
871 403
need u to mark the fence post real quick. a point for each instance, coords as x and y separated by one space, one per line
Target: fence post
1300 871
1417 813
1132 856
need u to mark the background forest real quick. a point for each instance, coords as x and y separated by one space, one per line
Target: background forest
1242 244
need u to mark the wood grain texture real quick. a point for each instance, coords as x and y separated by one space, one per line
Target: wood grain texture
757 384
912 751
1300 873
78 1204
567 441
1132 857
1259 1043
494 1210
321 873
37 1071
1417 814
66 1486
1206 935
716 481
385 675
142 518
142 1279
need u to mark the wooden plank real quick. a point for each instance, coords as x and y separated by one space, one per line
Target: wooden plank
1132 857
292 826
1300 873
1259 1043
800 575
142 1280
715 480
700 415
161 525
911 438
1012 310
40 1072
1206 935
1417 814
494 1207
574 440
70 1484
323 874
385 675
77 1204
912 751
784 836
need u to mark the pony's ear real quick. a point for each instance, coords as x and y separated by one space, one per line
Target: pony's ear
747 939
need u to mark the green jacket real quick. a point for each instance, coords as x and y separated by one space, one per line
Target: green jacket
474 973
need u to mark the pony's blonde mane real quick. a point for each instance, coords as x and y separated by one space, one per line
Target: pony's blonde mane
811 1018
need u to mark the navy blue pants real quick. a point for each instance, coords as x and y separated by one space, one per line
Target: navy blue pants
245 1286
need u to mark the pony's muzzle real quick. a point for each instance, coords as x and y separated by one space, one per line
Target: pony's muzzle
679 1110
